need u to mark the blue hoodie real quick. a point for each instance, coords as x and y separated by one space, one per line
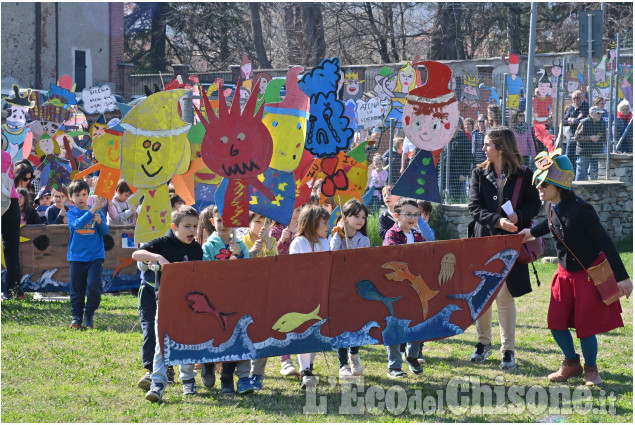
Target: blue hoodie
87 237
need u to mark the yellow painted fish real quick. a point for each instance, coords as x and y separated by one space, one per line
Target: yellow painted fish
291 321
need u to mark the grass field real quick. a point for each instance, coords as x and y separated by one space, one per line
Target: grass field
53 374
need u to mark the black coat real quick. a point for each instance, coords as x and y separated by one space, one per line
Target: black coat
579 226
483 207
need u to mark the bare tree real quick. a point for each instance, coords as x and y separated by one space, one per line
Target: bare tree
447 42
259 44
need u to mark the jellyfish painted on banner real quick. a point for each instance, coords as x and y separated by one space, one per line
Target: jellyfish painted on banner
237 147
431 116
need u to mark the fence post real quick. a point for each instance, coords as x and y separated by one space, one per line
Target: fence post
392 129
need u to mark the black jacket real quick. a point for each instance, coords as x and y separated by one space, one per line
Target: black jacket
579 226
573 112
32 217
386 221
173 250
483 207
585 130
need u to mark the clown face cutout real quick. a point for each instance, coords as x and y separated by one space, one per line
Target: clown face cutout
431 113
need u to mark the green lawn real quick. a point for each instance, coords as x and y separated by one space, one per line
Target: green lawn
53 374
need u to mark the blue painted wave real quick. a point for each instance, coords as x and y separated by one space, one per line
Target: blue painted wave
478 298
438 326
240 346
47 283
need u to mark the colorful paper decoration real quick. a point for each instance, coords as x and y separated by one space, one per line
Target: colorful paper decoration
98 99
406 80
383 295
385 83
19 138
430 120
287 123
353 86
107 150
543 102
514 83
237 147
328 131
154 149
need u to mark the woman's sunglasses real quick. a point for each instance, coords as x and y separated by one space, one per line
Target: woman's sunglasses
543 184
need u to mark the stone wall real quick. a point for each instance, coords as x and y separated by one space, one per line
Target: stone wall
612 199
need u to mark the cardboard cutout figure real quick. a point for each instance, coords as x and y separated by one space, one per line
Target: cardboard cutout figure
54 171
107 150
575 81
556 71
430 120
353 86
154 148
543 102
328 131
382 295
237 147
287 123
406 80
385 83
469 106
19 138
515 84
350 112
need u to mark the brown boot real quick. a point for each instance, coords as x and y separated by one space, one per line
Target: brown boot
568 369
592 376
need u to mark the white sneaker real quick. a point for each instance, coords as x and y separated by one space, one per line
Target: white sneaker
288 368
356 364
308 380
345 372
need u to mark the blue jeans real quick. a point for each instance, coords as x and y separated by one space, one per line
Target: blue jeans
342 354
147 316
160 369
85 283
413 350
583 164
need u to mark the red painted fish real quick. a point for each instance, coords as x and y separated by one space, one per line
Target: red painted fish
200 304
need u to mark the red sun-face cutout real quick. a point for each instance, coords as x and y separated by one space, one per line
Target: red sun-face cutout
235 145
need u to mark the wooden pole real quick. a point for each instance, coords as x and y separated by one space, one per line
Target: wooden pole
348 245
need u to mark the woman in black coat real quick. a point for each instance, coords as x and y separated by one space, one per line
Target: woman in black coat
493 183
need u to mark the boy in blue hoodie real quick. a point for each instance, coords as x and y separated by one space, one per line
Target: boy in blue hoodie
85 254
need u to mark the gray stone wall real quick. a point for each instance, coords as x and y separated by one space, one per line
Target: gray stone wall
612 199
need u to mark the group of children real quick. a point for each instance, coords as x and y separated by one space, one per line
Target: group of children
205 237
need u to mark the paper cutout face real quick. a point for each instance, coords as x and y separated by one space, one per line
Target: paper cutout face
328 131
154 145
405 79
352 86
431 114
47 146
287 124
265 79
245 68
236 145
386 82
107 149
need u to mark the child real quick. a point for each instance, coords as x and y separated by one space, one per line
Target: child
425 209
205 224
283 235
85 254
27 214
329 205
43 201
221 246
354 213
56 213
177 245
404 232
387 219
313 227
377 178
176 201
120 212
260 244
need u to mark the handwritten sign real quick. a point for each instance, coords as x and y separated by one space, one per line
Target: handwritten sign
369 114
98 100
